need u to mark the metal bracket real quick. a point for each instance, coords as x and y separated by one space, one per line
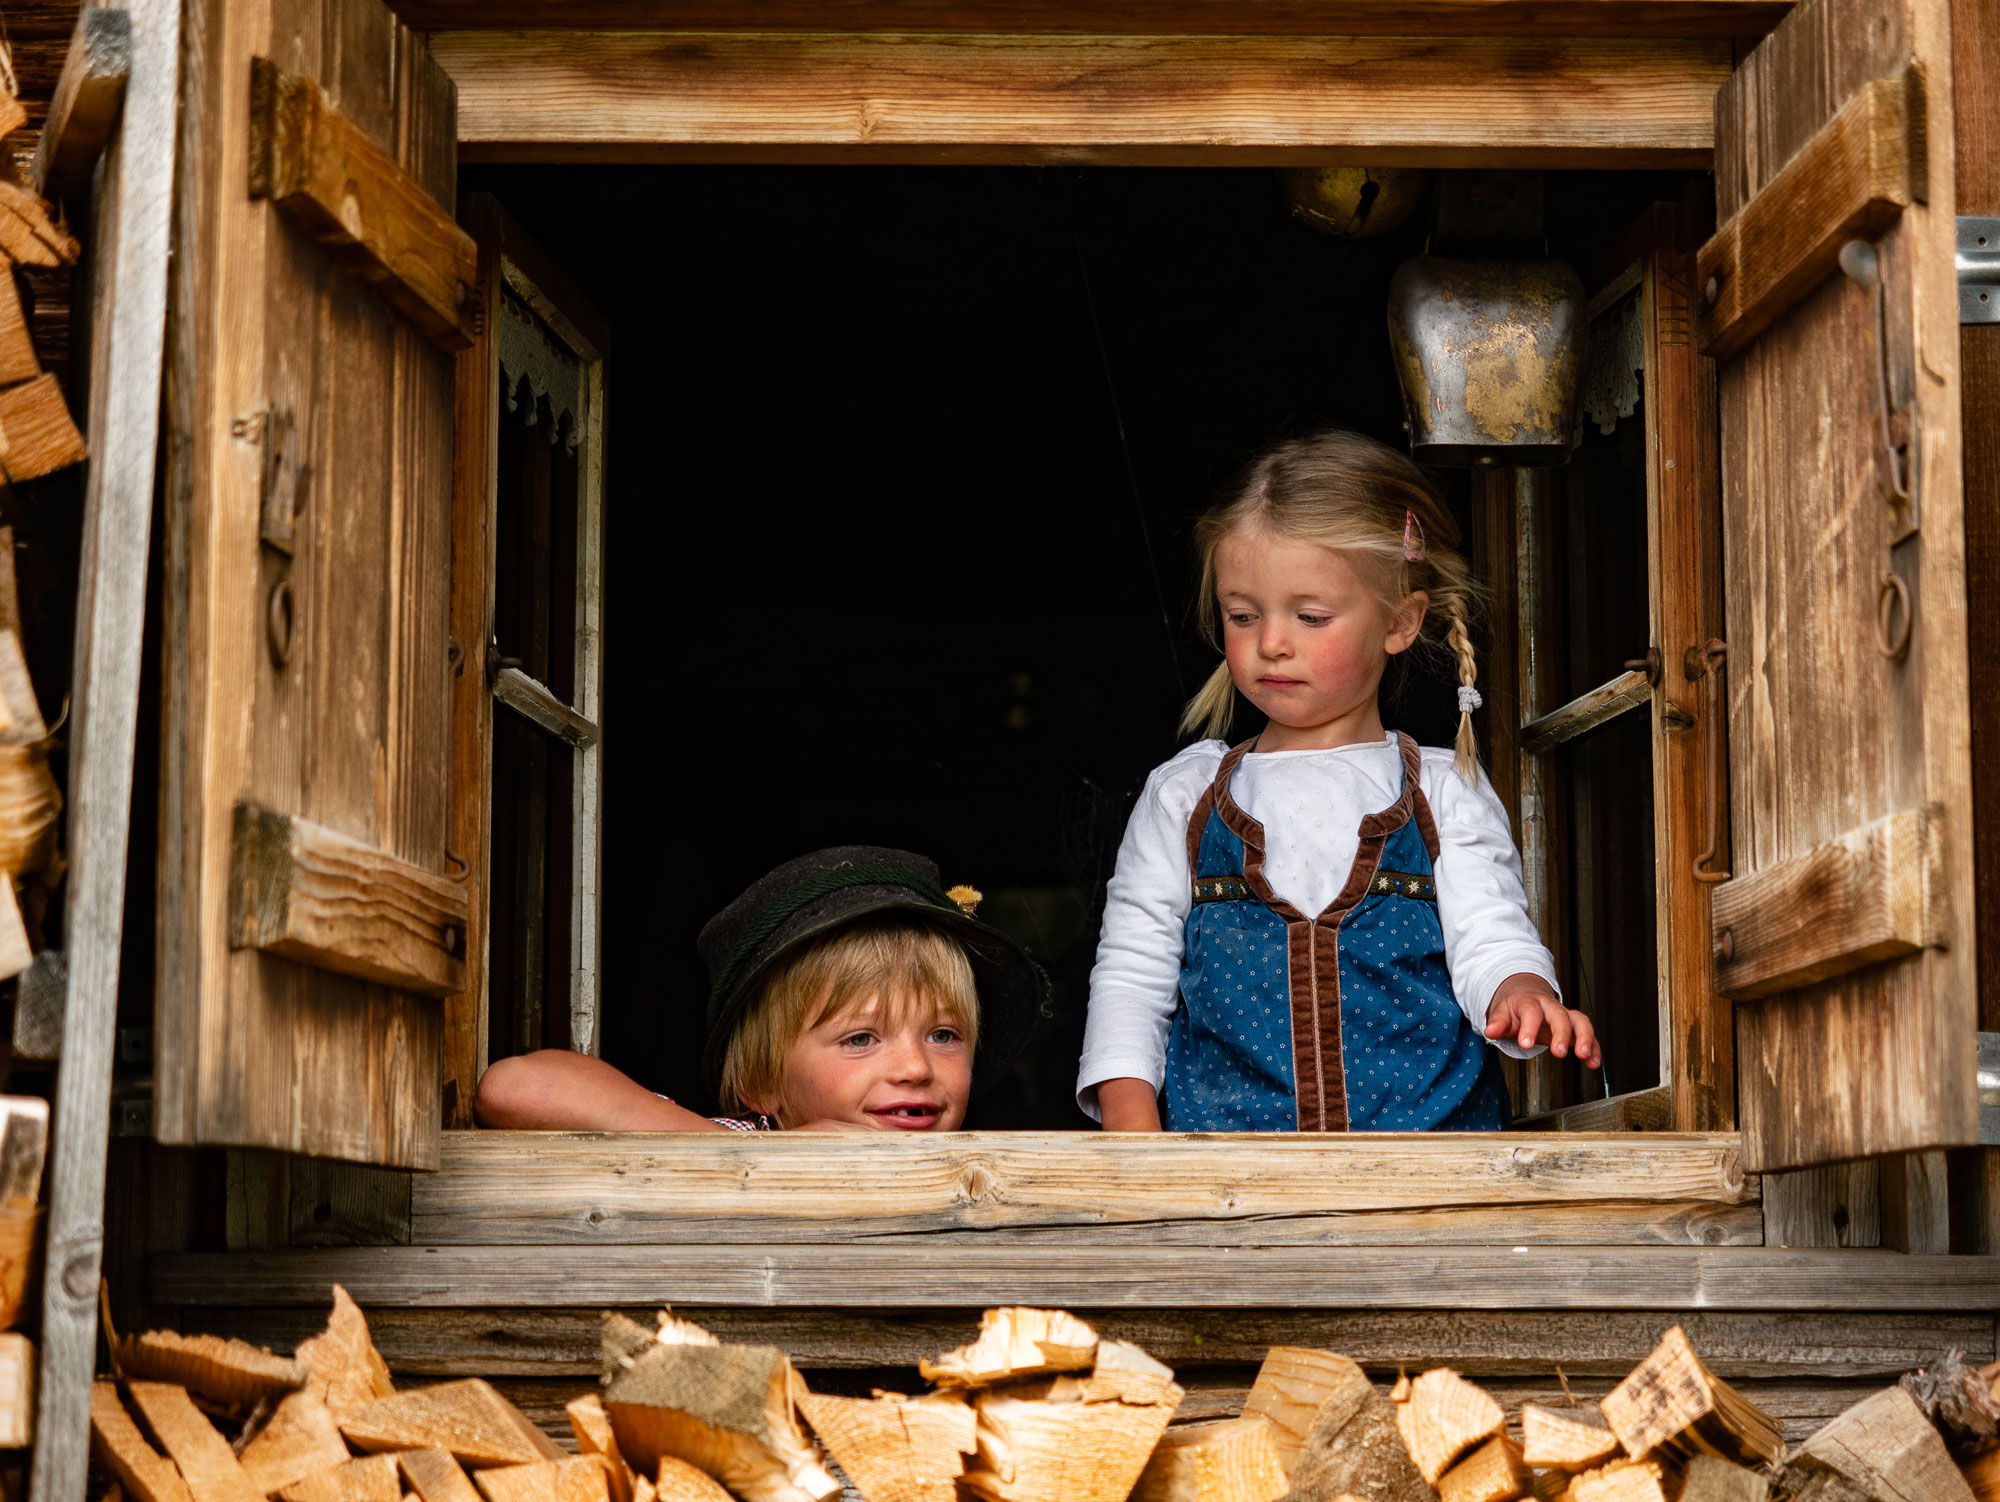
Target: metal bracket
1978 269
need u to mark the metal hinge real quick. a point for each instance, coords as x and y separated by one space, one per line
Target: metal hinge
1978 269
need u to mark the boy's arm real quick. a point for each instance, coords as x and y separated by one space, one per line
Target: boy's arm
556 1090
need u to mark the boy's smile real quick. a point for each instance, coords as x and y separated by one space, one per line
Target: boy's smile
895 1069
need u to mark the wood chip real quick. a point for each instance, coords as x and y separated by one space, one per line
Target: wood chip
144 1473
592 1428
343 1365
1225 1460
1016 1343
1491 1473
299 1439
232 1373
575 1478
206 1462
373 1478
468 1418
1674 1404
1553 1438
1442 1417
896 1449
1712 1480
435 1477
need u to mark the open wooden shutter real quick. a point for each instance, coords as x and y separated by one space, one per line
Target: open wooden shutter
311 918
1846 934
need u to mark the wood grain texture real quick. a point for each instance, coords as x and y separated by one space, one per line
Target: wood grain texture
358 201
17 342
311 895
1586 712
351 734
1827 733
84 108
1640 1111
37 434
582 1188
542 709
1853 179
555 1341
1866 896
995 97
849 1276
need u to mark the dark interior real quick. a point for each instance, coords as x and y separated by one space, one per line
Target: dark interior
901 466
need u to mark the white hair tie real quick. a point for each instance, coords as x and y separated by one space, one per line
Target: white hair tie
1468 698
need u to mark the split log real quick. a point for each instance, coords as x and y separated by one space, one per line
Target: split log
1224 1460
1621 1481
28 235
1550 1438
209 1466
1492 1473
231 1373
620 1339
373 1478
17 1391
143 1473
575 1478
1673 1404
1441 1416
468 1418
300 1439
1039 1450
17 345
1886 1450
24 1137
1983 1476
37 434
1016 1343
1353 1444
725 1409
681 1482
893 1448
435 1477
592 1427
1122 1371
342 1363
1291 1386
1712 1480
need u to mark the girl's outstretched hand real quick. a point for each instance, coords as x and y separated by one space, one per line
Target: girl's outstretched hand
1524 1006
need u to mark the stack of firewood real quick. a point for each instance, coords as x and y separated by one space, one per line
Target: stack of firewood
1038 1408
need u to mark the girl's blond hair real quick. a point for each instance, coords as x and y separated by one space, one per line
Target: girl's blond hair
1357 496
900 960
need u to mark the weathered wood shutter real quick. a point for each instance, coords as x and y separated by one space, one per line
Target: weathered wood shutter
1829 295
310 915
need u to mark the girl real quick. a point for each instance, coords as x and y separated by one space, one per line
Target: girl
1312 930
847 991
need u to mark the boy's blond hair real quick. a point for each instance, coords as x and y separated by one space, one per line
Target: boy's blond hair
900 960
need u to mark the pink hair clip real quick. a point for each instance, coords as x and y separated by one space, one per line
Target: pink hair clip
1413 538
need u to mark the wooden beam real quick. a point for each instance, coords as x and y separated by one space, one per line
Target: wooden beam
1866 897
578 1188
1657 18
1641 1111
314 162
542 709
1852 179
84 108
1408 1277
312 895
982 97
1586 712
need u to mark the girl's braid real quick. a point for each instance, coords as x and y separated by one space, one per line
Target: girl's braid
1460 642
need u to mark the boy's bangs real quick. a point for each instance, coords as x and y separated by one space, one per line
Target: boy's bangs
894 974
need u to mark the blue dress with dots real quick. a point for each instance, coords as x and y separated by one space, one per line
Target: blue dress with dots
1341 1022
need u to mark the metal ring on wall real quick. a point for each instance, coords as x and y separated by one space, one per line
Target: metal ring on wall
1893 616
281 622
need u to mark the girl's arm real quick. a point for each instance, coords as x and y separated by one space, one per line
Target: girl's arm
1135 985
556 1090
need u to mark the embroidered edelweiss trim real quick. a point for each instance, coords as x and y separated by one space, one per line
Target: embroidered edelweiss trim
1220 889
1402 884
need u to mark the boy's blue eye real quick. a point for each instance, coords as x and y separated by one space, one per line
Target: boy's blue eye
944 1035
857 1040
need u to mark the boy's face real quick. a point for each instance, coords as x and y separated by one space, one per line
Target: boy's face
857 1067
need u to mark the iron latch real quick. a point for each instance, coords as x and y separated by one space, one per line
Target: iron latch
1978 269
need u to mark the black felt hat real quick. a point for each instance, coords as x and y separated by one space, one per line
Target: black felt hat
808 897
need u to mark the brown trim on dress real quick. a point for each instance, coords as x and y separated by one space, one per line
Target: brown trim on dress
1413 768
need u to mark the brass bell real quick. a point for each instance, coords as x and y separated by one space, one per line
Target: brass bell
1353 202
1489 354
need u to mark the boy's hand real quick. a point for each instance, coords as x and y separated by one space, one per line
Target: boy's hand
1524 1006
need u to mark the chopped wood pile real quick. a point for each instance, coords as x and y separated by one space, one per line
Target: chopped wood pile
1038 1408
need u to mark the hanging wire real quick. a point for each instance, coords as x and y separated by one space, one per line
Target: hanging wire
1124 444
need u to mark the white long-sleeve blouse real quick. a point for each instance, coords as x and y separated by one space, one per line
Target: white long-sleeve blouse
1311 804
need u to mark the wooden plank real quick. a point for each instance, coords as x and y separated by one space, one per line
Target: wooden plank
1660 18
312 895
1866 896
1853 179
849 1276
128 295
998 97
586 1188
319 165
1586 712
1837 1204
564 1342
542 709
1640 1111
84 109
